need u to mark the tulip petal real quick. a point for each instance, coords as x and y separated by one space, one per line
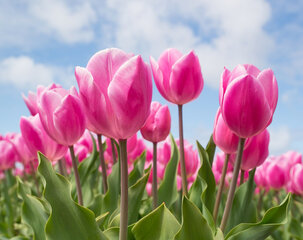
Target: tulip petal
104 64
245 108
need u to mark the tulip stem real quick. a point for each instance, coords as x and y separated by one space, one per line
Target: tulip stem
242 177
220 189
113 150
182 160
154 186
233 184
124 190
102 161
62 169
260 203
77 178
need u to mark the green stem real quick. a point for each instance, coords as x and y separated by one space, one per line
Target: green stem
182 159
220 189
233 184
102 161
77 178
124 190
242 177
154 186
61 168
113 150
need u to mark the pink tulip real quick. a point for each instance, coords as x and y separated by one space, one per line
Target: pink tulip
37 139
32 100
8 155
297 178
25 154
157 125
219 162
62 115
223 137
248 99
178 77
116 90
275 175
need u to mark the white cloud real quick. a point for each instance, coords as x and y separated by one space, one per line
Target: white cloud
222 32
280 139
24 73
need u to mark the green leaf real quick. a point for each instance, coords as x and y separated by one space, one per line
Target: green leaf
211 149
113 233
243 208
273 218
110 200
33 212
68 220
296 229
219 235
194 225
160 224
135 194
138 170
202 192
167 191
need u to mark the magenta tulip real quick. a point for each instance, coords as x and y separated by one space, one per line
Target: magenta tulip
37 139
275 175
178 77
248 99
297 178
8 155
157 125
62 115
25 154
223 137
116 90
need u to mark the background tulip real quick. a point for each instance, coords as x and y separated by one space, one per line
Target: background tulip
248 99
178 77
157 125
8 155
37 139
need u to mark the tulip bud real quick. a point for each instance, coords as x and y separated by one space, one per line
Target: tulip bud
157 125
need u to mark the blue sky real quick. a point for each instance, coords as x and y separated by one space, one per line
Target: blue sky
42 41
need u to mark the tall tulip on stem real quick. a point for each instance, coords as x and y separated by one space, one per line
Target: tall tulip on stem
120 86
156 129
63 118
179 80
256 93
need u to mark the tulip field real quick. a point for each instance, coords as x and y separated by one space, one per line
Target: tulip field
99 162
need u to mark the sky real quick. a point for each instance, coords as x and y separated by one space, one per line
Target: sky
41 42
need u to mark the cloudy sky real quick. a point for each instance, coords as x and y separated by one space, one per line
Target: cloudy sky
41 41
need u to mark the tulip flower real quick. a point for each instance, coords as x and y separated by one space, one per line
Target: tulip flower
36 139
8 155
179 80
119 86
156 129
297 178
25 154
275 175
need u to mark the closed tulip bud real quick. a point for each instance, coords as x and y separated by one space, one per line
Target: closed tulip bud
116 90
37 139
157 125
248 99
25 154
297 178
62 115
275 175
223 137
178 77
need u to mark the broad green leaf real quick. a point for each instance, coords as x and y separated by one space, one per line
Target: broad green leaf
138 170
113 233
160 224
296 229
219 235
243 208
205 172
211 149
194 225
135 194
273 218
101 219
33 212
167 191
110 200
206 213
68 220
195 192
20 238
